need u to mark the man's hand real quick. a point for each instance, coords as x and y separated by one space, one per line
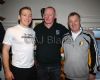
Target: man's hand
5 56
92 77
9 75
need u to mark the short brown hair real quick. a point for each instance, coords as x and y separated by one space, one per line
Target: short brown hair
26 7
72 14
51 8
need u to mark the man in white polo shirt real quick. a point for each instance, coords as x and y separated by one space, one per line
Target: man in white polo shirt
21 39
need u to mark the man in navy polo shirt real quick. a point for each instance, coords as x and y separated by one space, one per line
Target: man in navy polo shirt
49 36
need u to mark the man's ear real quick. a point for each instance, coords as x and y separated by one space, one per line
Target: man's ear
43 16
18 17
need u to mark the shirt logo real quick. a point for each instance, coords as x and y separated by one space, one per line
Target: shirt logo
57 32
28 38
81 43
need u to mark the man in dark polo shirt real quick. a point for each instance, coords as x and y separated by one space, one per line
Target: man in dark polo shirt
49 36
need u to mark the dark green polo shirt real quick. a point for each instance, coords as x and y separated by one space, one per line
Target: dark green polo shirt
48 43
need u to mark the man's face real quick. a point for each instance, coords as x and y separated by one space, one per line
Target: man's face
49 16
25 17
74 23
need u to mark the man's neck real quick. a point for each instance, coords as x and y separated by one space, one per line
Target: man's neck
48 25
75 31
24 26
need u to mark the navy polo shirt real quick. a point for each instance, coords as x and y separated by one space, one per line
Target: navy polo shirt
48 42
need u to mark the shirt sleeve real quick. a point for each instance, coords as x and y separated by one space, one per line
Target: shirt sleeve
8 37
94 54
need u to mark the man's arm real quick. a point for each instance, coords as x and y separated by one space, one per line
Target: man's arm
93 53
5 55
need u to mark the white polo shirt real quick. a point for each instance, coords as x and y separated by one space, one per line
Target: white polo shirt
21 41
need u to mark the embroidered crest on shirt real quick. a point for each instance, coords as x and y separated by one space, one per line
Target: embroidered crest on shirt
81 43
57 32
